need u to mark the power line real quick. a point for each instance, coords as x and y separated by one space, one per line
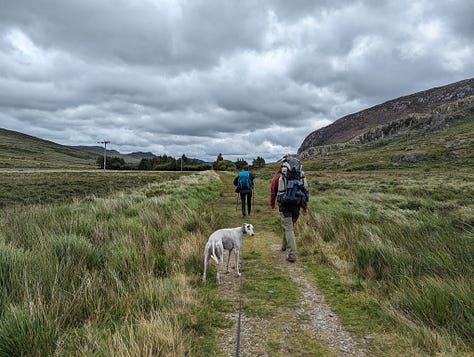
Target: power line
105 142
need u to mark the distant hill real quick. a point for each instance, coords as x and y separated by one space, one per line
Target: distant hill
132 157
19 150
433 128
418 104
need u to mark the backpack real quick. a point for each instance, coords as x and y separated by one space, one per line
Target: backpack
291 184
244 181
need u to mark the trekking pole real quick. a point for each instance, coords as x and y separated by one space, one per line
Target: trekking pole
253 196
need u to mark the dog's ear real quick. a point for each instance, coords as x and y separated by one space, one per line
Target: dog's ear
243 227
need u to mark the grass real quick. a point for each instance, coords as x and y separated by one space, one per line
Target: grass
107 276
117 271
23 187
406 241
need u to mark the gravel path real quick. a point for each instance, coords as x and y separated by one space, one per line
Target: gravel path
314 316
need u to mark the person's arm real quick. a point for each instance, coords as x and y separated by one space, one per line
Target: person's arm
274 190
236 180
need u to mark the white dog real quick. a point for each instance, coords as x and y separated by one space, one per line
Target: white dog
228 239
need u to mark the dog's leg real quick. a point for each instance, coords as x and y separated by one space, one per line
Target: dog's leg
206 260
219 267
237 261
228 260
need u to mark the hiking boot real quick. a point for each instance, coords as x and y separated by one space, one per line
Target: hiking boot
291 259
283 247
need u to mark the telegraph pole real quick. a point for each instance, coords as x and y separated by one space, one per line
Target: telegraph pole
105 142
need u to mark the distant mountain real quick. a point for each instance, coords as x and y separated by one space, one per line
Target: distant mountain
141 155
132 157
18 150
433 128
444 102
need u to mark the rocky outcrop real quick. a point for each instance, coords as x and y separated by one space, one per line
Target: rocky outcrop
410 157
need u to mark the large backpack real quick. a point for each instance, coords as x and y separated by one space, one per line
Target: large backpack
291 184
244 181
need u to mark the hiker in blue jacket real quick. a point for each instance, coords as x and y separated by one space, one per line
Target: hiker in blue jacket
244 182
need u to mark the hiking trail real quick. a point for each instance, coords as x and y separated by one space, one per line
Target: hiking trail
283 312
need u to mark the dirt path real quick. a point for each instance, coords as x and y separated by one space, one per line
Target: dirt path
283 312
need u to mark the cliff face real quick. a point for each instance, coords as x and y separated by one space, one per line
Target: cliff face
396 115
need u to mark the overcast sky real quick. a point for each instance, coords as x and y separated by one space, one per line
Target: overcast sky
244 78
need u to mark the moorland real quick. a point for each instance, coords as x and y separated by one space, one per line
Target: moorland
99 262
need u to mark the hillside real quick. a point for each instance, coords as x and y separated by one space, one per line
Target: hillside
19 150
450 101
133 157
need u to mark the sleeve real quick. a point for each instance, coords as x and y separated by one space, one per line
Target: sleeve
274 190
235 180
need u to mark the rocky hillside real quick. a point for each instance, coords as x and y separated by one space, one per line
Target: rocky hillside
428 110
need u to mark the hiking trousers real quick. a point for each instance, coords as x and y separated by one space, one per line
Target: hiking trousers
246 197
288 219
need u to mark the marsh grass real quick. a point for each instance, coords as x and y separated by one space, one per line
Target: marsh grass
408 238
106 275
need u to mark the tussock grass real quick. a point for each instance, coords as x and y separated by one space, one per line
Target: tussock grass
106 275
408 238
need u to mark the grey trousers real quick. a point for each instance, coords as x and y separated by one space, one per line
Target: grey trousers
289 240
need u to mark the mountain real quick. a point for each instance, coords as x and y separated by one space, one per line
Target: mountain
97 150
141 155
447 101
132 157
19 150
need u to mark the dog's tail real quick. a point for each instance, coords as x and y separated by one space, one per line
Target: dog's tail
213 254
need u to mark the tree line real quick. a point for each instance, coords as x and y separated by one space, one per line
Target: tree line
169 163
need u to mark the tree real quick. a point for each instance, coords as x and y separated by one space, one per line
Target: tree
215 164
240 163
225 165
258 162
112 163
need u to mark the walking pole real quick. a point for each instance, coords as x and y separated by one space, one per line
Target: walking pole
253 196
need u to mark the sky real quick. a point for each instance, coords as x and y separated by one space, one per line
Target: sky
244 78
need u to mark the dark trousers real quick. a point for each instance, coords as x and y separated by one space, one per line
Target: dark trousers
246 196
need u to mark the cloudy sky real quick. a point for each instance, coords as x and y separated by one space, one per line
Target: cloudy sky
244 78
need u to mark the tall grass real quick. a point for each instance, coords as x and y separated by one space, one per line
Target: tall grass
410 237
106 276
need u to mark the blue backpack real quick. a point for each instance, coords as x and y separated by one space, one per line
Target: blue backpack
244 181
291 188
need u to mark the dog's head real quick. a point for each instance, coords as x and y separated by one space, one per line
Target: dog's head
247 228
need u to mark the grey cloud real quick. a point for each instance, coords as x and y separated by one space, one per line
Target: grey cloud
203 77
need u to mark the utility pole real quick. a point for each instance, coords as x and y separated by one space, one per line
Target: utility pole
105 142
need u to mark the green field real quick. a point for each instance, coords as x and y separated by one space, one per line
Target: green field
108 263
118 270
19 187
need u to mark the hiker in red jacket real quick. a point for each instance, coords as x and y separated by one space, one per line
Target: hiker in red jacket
289 211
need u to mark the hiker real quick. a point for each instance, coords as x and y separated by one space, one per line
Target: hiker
244 182
290 190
